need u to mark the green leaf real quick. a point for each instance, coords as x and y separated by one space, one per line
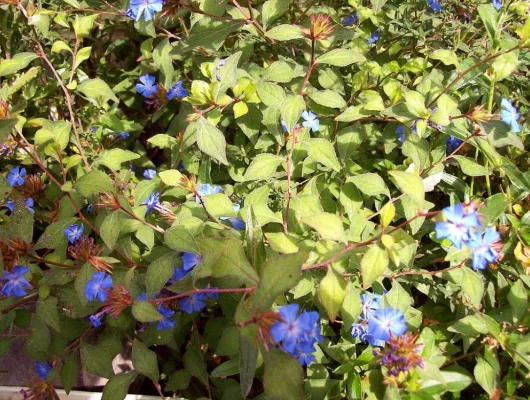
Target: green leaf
97 91
114 158
70 371
473 286
505 65
279 71
94 182
329 226
332 292
471 167
415 103
291 109
282 243
280 274
83 25
82 55
118 386
210 33
178 238
213 7
39 339
53 236
328 98
162 59
4 345
97 360
284 377
15 64
48 312
518 299
470 326
373 264
448 57
263 166
322 151
370 184
340 57
488 15
6 126
410 184
163 141
227 73
285 32
271 95
145 312
111 227
485 375
248 357
211 140
179 380
159 272
144 360
195 365
274 9
228 368
171 177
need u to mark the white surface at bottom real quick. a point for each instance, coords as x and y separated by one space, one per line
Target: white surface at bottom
13 393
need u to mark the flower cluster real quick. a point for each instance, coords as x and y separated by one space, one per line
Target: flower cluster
15 282
297 334
378 325
400 356
463 227
148 87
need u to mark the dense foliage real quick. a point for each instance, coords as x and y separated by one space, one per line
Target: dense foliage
278 199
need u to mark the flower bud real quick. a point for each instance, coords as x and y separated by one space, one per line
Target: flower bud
321 27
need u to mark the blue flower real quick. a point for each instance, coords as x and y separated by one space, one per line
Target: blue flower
358 331
311 327
371 302
311 121
509 115
177 91
147 86
481 245
10 204
284 127
190 261
16 176
43 369
166 322
452 143
374 37
435 5
152 201
206 190
145 7
400 131
304 353
95 320
15 281
221 64
178 274
384 323
289 328
212 295
497 4
458 225
193 303
89 207
351 19
74 232
122 135
149 174
96 287
237 223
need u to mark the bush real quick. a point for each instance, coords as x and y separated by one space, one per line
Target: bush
268 199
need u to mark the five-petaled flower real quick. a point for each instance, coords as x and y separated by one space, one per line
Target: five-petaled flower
190 261
74 232
311 121
43 369
166 322
351 19
510 115
385 323
15 281
452 143
97 287
481 243
374 37
152 201
400 131
177 91
194 303
147 8
457 228
16 176
149 174
147 86
435 5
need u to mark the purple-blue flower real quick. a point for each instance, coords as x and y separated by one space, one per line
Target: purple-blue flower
96 287
122 135
384 323
95 320
16 176
193 303
177 91
221 64
304 352
237 223
190 260
178 274
289 328
358 331
149 174
206 190
311 327
152 201
452 143
311 121
43 369
147 86
166 322
371 302
351 19
481 244
374 37
497 4
147 8
400 131
15 281
435 5
458 227
510 115
74 232
89 207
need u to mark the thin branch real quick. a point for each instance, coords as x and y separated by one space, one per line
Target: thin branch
207 290
19 302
